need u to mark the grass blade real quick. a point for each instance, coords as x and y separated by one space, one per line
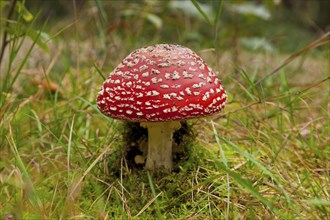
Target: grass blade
33 196
152 187
148 204
262 167
91 166
322 40
99 71
219 10
223 157
36 117
201 11
69 145
245 185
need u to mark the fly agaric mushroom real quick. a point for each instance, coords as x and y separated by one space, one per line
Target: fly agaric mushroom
158 86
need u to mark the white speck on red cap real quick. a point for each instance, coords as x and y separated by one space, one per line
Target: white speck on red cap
162 82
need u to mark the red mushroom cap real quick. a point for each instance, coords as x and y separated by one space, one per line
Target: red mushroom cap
162 82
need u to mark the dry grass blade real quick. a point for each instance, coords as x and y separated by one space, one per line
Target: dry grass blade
322 40
267 100
148 204
29 187
11 115
69 144
88 170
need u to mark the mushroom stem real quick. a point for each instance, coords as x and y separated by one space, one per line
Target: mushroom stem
160 136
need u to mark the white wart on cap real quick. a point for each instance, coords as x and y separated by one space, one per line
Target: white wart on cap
162 82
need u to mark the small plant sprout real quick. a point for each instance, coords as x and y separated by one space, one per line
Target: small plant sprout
159 86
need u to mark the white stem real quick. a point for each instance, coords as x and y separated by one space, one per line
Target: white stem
160 135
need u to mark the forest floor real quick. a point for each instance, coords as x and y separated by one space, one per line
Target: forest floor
265 156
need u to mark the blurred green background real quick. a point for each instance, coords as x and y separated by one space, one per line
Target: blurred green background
258 24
